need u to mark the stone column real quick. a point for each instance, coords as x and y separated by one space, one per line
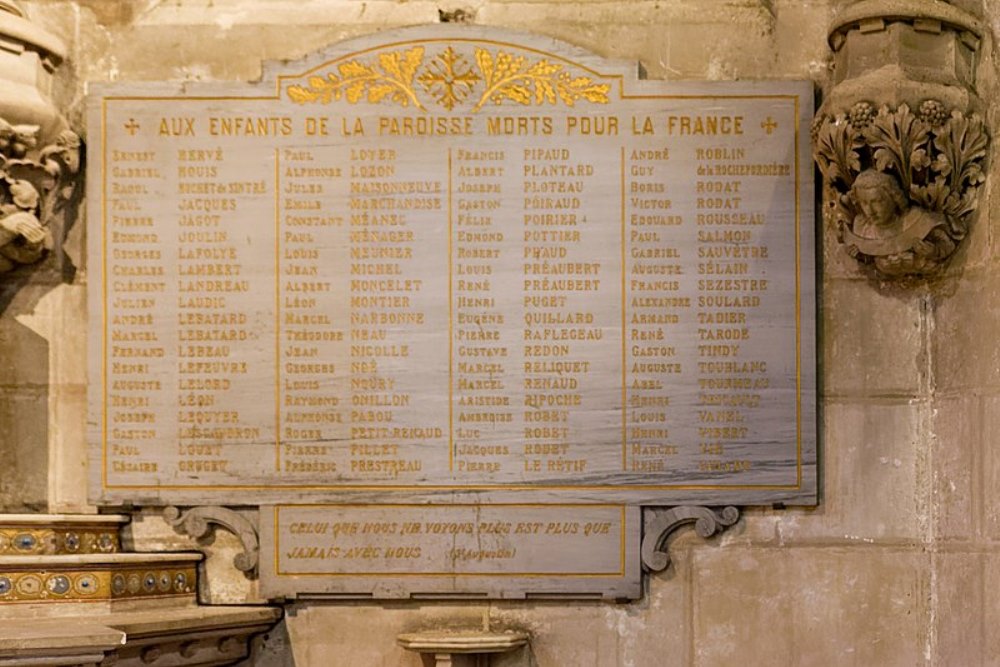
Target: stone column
918 349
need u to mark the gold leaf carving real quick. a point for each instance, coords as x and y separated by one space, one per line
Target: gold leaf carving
508 78
450 79
354 80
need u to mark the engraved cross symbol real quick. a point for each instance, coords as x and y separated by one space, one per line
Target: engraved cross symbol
769 125
132 126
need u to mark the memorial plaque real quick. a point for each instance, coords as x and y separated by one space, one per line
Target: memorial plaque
495 551
451 264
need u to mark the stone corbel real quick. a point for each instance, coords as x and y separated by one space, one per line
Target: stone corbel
660 523
899 139
198 522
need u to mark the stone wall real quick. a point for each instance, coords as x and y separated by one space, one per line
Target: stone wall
895 566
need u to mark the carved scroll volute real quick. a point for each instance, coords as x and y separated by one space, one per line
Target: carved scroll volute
198 522
900 142
660 523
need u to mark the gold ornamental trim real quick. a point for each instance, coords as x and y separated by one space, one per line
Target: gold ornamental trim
21 541
451 79
83 585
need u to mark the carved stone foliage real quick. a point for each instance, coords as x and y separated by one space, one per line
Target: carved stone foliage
900 185
899 139
660 523
37 187
198 521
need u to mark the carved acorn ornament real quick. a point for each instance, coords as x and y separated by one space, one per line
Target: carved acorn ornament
900 186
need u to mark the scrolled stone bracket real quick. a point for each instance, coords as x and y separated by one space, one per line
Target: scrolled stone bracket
660 523
198 521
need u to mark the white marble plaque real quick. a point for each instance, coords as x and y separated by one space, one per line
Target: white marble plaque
452 263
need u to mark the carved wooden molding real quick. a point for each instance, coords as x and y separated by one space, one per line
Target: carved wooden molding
198 521
660 524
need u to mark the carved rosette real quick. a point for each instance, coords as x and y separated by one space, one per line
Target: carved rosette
899 141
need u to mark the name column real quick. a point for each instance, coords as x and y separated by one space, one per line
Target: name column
396 283
138 325
658 307
222 325
312 341
569 266
483 425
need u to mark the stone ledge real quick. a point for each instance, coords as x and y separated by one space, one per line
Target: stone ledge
458 641
189 636
178 636
56 642
163 621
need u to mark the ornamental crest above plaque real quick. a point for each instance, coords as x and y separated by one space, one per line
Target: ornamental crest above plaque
451 80
448 265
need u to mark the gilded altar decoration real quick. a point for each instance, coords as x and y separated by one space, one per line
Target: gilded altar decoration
23 540
450 79
901 186
35 189
102 582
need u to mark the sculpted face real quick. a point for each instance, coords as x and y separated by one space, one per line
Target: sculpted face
877 206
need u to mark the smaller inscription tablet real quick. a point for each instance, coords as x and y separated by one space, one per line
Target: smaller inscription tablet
490 551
